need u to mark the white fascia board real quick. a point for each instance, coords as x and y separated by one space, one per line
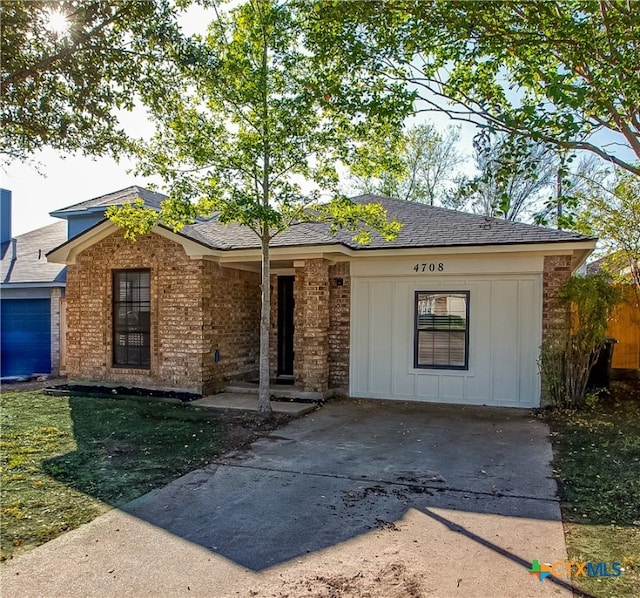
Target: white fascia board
560 248
32 285
67 253
341 253
192 248
299 252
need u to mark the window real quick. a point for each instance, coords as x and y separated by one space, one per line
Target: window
442 330
131 318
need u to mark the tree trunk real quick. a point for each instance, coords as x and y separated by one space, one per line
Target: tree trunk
264 405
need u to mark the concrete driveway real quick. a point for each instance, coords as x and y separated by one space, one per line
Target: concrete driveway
360 498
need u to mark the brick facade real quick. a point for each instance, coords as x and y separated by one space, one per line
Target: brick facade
339 325
199 308
311 320
322 326
556 270
231 321
196 307
56 297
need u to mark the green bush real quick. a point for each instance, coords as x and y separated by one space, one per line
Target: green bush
566 358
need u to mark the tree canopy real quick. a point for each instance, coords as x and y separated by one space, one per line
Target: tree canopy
424 167
506 187
562 72
67 66
611 211
254 132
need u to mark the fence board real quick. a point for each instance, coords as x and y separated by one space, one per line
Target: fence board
624 325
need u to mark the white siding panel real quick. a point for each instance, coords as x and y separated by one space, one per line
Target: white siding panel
529 332
480 339
504 339
403 384
452 388
505 349
380 336
428 386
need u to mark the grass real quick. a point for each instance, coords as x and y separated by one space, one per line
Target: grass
66 460
597 464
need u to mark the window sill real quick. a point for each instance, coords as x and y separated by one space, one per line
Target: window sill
129 369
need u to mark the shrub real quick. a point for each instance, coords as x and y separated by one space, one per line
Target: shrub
568 356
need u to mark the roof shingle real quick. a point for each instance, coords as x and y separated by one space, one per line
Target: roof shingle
151 199
423 226
30 264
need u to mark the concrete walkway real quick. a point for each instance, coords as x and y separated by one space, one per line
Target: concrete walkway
249 402
359 498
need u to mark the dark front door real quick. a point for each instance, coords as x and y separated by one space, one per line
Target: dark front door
285 325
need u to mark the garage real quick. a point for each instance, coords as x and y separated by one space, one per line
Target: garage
463 329
26 336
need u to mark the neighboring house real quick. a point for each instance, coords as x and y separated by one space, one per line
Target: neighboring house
33 289
453 310
84 215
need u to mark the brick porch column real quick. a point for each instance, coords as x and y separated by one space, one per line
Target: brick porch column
311 316
339 325
557 269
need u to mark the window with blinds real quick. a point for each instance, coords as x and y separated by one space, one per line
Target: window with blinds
132 318
442 330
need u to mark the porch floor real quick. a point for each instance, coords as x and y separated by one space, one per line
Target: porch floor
282 391
248 401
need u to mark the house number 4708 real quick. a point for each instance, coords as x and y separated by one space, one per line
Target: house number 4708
429 267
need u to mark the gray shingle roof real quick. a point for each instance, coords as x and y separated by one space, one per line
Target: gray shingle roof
151 199
430 226
234 236
31 264
423 226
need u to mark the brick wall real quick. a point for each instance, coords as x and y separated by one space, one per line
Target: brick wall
557 269
196 308
339 325
56 296
311 318
231 321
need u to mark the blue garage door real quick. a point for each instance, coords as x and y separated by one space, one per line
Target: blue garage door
26 336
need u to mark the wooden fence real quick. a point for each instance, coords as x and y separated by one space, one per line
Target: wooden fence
624 325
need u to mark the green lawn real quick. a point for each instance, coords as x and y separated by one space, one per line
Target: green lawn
66 460
597 463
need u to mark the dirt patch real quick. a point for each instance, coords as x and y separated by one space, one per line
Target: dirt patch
126 391
35 384
245 427
392 581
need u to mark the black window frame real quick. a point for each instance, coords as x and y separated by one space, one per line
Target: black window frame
416 331
143 362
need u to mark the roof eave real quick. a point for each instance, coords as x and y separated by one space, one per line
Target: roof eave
68 251
583 248
32 285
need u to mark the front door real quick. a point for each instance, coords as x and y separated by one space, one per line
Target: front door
285 326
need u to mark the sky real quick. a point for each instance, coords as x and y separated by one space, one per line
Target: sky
53 180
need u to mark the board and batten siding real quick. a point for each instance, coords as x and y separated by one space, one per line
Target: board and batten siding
505 322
